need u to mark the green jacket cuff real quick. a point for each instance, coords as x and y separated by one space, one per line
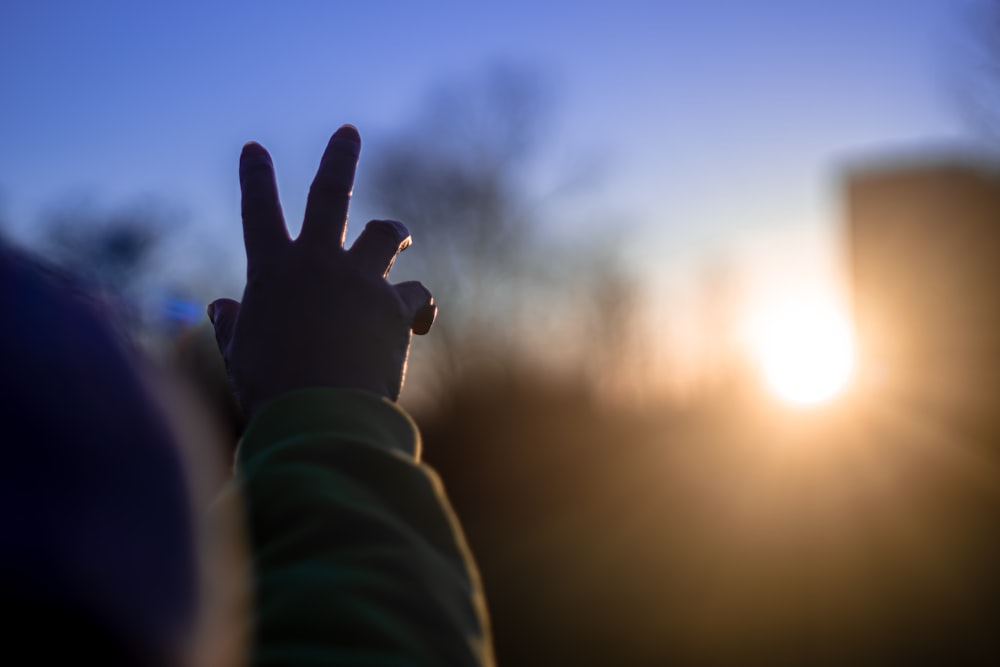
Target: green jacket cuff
347 415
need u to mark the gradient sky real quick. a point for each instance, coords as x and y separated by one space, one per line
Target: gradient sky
721 123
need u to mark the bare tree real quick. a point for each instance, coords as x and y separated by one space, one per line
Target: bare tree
464 180
458 181
977 66
113 250
125 256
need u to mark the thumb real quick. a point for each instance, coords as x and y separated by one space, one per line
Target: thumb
223 313
419 305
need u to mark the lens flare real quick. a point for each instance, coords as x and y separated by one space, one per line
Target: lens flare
805 351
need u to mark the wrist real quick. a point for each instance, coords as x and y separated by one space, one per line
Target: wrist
352 415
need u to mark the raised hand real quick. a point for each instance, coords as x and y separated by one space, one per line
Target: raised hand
314 314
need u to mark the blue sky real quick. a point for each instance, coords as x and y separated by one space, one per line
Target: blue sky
721 123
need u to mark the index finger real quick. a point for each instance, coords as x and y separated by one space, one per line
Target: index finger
263 224
326 208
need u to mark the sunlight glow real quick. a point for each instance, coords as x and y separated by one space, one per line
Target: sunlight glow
805 351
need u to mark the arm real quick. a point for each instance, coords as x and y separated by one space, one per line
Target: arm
358 558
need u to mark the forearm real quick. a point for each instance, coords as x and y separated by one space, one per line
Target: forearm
358 556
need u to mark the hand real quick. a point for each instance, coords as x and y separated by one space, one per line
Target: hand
314 314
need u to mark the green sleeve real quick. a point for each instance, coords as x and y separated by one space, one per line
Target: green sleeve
358 557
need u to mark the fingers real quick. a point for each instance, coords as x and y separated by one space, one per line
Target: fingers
419 304
377 246
223 314
326 208
263 224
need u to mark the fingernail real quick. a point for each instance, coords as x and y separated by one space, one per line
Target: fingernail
425 318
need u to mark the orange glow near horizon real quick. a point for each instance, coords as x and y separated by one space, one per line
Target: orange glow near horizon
805 350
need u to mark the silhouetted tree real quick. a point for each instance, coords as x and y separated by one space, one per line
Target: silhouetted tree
127 257
978 66
113 250
464 178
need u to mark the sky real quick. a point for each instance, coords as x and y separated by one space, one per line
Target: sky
721 126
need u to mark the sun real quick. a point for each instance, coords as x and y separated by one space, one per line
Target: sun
805 350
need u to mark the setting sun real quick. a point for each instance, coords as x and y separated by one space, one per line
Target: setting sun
805 351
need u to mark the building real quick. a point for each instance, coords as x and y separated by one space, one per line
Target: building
924 242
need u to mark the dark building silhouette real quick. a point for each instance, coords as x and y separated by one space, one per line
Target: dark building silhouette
925 249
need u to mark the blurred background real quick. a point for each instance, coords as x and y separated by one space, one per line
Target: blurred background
716 374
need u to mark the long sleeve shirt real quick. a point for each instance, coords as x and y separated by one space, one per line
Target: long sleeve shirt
358 557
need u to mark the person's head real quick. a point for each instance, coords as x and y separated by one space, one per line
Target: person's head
97 553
